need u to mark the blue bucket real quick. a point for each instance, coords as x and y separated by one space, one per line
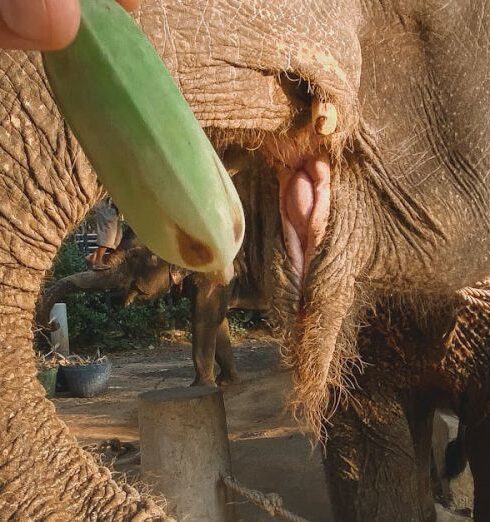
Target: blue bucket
88 380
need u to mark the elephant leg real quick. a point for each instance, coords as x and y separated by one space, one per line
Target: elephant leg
204 327
224 356
420 415
478 449
209 306
370 462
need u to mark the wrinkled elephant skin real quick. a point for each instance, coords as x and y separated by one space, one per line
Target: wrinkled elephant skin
373 116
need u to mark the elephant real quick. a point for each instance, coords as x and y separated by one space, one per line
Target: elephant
133 269
387 422
378 454
139 275
372 117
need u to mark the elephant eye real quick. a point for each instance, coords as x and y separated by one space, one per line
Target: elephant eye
297 90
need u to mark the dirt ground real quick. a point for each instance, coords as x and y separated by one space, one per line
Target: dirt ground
268 452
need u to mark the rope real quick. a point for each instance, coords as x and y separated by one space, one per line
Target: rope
271 503
479 297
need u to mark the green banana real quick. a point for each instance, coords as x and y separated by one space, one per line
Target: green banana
144 142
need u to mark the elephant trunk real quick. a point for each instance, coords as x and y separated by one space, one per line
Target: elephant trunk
119 277
42 469
321 348
47 187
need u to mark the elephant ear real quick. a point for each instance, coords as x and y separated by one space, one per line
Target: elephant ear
144 142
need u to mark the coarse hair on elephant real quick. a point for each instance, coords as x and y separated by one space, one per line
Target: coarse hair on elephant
378 456
372 116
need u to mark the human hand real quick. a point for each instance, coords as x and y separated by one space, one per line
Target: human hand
42 24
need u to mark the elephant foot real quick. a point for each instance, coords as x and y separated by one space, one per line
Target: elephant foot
201 381
225 379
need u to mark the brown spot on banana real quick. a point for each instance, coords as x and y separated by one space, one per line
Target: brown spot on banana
324 117
238 230
194 252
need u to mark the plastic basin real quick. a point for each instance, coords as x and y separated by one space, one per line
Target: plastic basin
88 380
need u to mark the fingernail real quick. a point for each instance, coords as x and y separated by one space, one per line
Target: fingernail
26 18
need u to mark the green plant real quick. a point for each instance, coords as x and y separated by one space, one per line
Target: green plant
174 313
89 317
88 312
242 320
137 320
68 260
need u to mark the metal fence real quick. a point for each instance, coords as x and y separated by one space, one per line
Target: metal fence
86 242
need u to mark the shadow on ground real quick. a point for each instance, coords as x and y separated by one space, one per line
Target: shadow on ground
268 452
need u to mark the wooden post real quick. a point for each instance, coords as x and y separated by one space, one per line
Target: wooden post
185 450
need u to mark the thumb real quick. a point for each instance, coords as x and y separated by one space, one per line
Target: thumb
38 24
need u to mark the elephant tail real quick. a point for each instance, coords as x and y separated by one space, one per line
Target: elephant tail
456 458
